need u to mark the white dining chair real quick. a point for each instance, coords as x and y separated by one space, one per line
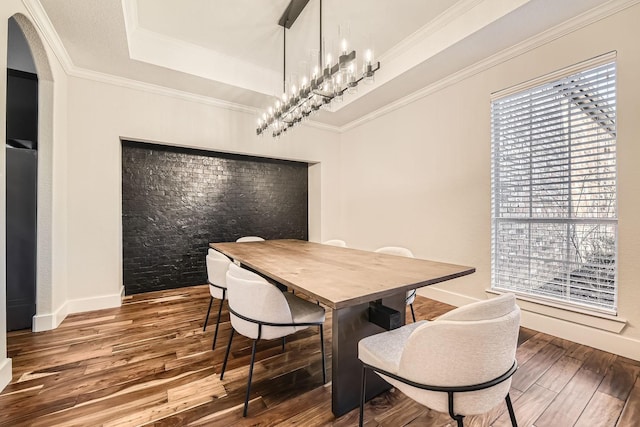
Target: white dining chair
249 239
460 364
335 242
217 266
400 251
259 310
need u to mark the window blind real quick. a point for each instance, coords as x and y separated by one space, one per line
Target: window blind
554 208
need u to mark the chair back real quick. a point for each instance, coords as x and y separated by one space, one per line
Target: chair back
400 251
335 242
467 346
250 239
251 296
217 266
395 250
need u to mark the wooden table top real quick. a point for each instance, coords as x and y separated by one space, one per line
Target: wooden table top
338 277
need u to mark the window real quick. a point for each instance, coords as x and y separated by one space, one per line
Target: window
554 214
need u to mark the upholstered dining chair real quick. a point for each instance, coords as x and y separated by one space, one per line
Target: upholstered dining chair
249 239
217 266
459 364
400 251
335 242
259 310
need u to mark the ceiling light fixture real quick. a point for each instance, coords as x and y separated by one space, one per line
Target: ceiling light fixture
327 82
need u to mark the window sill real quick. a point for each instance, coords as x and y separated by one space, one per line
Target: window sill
602 321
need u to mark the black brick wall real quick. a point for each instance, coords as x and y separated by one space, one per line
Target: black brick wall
176 201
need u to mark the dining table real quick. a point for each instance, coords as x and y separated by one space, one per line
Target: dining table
349 282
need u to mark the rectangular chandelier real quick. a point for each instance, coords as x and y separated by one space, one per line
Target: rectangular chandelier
327 83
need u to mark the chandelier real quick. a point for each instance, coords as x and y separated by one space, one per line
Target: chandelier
327 82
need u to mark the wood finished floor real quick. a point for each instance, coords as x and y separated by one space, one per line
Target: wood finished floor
149 363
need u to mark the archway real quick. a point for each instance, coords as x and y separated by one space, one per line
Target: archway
43 319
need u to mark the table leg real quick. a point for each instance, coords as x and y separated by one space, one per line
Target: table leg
350 325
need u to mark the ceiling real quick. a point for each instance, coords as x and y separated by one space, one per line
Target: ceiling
232 50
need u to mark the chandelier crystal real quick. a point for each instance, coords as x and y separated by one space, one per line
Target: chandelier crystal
327 83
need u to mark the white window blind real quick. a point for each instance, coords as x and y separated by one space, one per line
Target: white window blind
554 214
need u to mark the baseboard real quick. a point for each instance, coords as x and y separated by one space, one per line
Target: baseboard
5 373
445 296
586 335
590 336
45 322
81 305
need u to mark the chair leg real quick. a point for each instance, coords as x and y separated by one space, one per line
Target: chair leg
458 418
413 314
512 414
362 394
284 341
246 399
226 356
215 335
206 319
324 369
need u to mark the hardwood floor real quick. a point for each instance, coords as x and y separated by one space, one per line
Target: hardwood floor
149 363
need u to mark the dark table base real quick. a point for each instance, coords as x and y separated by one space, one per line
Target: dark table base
350 325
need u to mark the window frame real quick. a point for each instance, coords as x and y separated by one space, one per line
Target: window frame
531 86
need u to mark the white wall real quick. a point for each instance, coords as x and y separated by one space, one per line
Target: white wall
99 114
420 177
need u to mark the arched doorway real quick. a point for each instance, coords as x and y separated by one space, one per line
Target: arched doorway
44 137
21 176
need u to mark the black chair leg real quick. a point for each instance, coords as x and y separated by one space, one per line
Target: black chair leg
226 356
284 341
324 370
512 414
215 335
206 319
246 399
413 314
458 418
362 394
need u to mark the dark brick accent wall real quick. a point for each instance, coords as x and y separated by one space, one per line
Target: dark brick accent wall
176 201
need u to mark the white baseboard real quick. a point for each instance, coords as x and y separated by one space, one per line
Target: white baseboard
45 322
590 336
444 296
5 373
81 305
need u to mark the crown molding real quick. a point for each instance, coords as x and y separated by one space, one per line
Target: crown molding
159 90
587 18
442 20
44 25
612 7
